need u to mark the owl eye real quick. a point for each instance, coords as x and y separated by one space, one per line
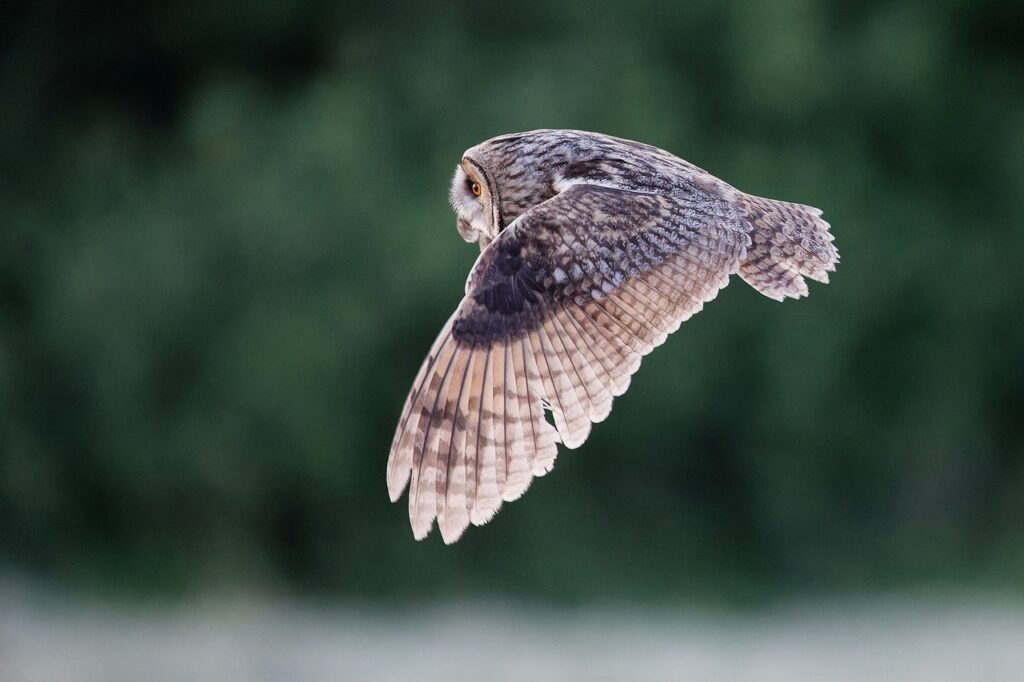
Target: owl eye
475 188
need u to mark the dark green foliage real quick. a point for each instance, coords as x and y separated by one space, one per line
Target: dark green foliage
225 247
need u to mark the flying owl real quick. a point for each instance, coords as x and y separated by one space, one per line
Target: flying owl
593 249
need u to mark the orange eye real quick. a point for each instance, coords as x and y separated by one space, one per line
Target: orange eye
475 189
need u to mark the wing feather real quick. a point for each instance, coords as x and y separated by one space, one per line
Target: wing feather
475 417
579 368
422 492
540 400
618 356
596 354
519 472
573 408
559 312
453 514
531 443
488 497
499 421
400 457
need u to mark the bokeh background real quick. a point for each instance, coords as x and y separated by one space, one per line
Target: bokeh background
225 247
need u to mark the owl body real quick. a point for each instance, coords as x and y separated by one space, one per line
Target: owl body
593 250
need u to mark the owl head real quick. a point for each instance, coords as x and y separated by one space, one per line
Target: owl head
499 179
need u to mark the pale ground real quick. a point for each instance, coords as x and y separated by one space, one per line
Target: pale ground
934 638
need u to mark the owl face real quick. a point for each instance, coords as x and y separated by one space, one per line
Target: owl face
472 198
500 178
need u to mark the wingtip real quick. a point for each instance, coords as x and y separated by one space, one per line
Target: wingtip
451 532
601 412
479 516
575 440
396 486
513 493
421 532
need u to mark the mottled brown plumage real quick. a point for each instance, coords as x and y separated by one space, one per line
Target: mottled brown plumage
593 250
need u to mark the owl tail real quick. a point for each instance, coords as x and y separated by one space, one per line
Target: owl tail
788 242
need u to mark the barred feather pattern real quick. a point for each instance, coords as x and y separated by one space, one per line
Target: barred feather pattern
790 242
559 311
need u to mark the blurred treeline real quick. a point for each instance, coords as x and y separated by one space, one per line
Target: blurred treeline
225 247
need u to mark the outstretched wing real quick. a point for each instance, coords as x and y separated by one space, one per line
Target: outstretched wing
559 310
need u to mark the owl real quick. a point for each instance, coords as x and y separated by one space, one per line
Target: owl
593 249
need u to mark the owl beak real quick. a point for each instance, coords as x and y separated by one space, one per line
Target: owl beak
466 231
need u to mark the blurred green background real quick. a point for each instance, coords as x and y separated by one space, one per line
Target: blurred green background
225 247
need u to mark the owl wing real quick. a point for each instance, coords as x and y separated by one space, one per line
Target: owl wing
559 310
